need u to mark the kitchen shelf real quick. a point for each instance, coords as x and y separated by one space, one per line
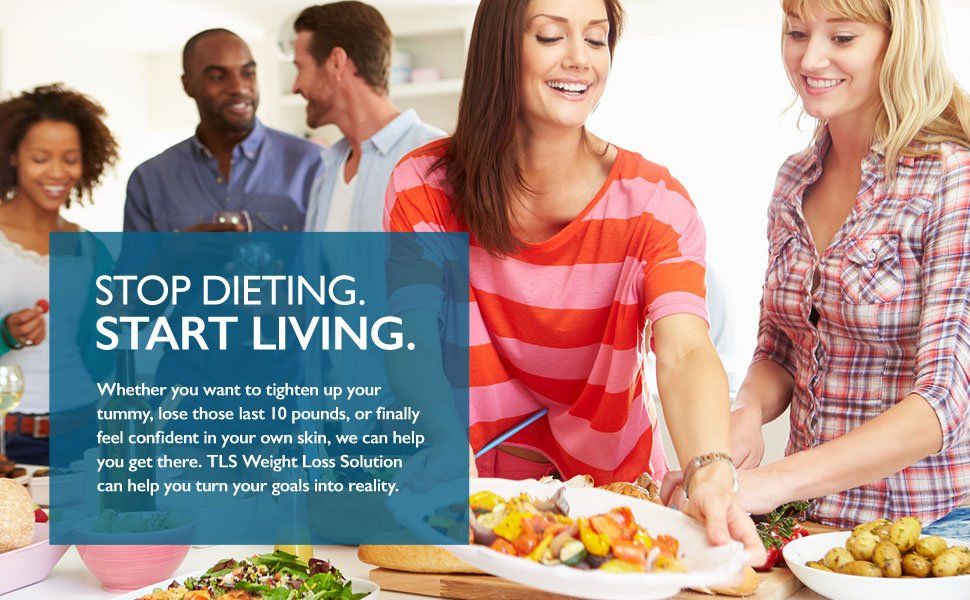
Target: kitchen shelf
430 88
443 87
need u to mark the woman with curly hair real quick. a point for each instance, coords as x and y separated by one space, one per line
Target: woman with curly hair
55 150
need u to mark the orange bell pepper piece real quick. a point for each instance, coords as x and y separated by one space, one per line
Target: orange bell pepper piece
629 551
668 545
624 517
605 525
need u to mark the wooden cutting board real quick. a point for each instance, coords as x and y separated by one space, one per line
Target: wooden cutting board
779 584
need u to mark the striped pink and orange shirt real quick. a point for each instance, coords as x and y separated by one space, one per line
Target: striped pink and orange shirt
560 324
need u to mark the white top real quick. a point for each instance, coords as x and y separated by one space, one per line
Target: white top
340 218
25 278
342 200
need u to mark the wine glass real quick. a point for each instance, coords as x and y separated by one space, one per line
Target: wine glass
234 217
11 390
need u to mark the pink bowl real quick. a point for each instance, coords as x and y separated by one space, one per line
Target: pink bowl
149 557
30 564
126 568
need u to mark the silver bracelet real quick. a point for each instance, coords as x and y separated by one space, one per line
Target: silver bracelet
702 461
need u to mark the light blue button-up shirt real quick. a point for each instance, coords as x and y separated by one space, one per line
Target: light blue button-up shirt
379 155
271 176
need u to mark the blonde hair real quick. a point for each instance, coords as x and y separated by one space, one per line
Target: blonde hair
922 103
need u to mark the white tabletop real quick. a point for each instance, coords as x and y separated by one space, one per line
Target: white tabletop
71 579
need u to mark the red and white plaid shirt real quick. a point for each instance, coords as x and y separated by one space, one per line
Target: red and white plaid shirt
894 319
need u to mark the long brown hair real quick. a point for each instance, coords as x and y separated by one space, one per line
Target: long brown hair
480 165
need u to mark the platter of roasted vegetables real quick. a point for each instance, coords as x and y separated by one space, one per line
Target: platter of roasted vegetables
542 531
589 542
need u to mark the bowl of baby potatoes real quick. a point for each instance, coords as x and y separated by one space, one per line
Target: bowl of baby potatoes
884 560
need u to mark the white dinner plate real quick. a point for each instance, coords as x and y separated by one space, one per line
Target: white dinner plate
706 565
851 587
359 586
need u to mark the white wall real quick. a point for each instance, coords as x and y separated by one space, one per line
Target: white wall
697 86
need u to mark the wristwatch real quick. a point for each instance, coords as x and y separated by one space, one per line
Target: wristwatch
702 461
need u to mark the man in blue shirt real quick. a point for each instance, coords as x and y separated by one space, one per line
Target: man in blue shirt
342 54
233 162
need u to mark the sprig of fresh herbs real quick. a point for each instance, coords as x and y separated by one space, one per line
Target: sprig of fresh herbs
779 525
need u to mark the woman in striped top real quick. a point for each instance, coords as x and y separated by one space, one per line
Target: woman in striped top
577 249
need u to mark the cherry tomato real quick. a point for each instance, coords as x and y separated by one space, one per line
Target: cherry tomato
774 555
503 546
527 540
43 305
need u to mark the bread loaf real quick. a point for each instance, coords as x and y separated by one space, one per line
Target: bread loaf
416 559
746 585
16 516
633 490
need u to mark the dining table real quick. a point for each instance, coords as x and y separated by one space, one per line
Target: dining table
70 579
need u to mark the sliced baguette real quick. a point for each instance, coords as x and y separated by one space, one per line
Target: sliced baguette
745 587
415 559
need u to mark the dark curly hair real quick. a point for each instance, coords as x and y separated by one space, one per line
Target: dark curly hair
56 102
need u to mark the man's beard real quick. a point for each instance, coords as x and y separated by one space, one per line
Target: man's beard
317 113
237 126
228 124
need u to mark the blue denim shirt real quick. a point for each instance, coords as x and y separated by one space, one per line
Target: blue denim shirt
379 155
270 176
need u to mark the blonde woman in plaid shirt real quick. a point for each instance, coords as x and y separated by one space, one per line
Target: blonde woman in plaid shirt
865 317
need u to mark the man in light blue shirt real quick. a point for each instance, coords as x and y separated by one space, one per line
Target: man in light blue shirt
342 54
233 162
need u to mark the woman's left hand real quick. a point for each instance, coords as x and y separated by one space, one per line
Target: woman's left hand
713 503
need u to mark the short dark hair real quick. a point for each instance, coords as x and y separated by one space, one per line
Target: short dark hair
190 45
356 27
55 102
